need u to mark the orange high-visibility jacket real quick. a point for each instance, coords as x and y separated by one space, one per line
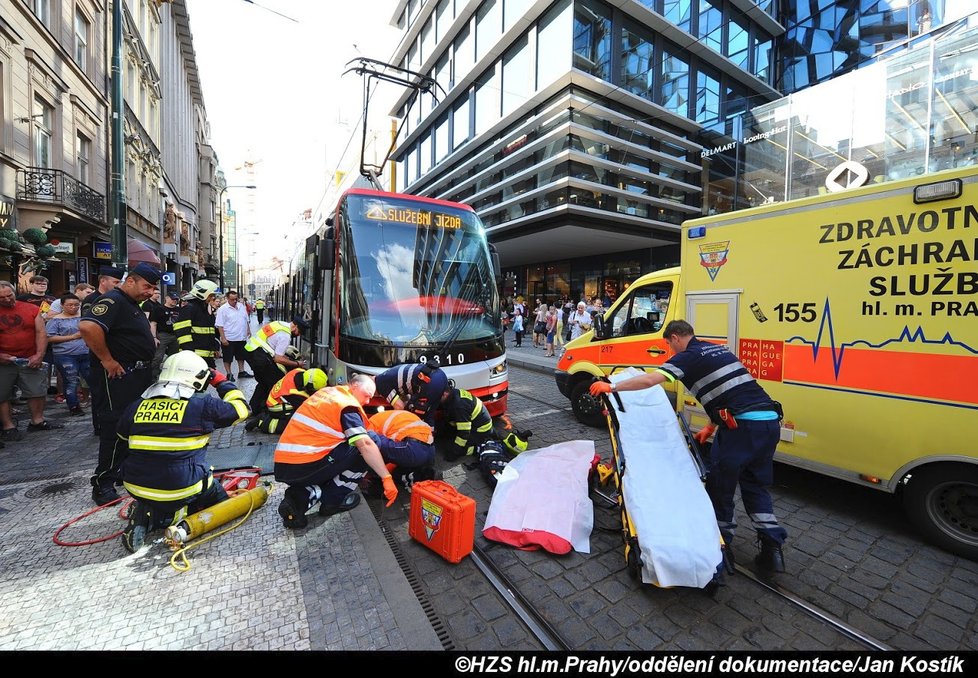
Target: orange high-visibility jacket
315 428
289 385
400 424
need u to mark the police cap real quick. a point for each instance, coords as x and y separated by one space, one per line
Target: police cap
147 272
112 272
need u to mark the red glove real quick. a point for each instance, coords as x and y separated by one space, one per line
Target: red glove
217 377
704 433
600 387
390 490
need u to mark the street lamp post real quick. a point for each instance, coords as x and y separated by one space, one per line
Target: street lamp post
220 227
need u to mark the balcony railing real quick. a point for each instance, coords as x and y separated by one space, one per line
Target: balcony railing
54 186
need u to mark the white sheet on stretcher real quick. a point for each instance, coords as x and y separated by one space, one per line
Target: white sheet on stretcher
673 516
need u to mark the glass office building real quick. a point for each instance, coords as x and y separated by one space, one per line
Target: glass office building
584 132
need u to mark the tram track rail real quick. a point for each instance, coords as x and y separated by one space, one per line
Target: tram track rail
549 637
811 610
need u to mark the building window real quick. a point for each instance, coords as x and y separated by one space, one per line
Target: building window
487 101
427 40
460 122
513 10
441 139
678 12
762 59
637 59
443 19
43 119
517 75
675 84
425 157
83 155
737 43
488 26
553 48
42 10
82 29
464 53
592 39
710 26
707 99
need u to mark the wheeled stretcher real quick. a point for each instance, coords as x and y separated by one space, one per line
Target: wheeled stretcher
668 524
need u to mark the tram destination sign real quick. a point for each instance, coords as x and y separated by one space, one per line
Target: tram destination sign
416 217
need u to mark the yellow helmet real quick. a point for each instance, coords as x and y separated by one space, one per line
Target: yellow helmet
313 380
187 368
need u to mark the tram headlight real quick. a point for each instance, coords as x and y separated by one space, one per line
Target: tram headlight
498 370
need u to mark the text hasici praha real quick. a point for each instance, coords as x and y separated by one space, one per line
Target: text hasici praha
863 251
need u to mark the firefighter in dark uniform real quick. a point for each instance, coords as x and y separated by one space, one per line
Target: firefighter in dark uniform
167 430
468 419
109 277
748 429
195 325
285 397
416 388
266 353
117 332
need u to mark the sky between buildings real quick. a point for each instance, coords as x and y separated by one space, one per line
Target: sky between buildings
280 111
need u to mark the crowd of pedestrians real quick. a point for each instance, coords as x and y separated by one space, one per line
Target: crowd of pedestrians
551 325
43 352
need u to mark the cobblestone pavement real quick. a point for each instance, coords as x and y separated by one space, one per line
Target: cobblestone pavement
260 587
851 553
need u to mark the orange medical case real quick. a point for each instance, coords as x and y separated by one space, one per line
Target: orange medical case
442 519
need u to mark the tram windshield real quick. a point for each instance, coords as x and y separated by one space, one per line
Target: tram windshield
415 274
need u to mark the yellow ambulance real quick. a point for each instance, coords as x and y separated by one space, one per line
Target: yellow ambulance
858 311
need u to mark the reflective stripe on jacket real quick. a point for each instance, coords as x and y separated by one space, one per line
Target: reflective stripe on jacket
260 338
400 424
469 417
195 330
286 394
168 442
316 427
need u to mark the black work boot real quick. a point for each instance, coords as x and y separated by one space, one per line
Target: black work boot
293 510
104 494
771 559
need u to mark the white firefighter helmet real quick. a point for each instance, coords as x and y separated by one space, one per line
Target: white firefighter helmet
292 352
183 374
202 290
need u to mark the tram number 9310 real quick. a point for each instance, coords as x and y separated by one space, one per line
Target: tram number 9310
442 360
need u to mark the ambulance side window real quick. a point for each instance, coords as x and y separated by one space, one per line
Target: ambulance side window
645 311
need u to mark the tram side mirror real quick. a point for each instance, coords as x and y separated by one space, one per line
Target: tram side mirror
497 269
600 327
327 254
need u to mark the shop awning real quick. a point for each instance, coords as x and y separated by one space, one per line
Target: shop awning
141 252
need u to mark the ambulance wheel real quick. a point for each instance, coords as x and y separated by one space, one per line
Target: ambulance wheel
942 502
587 408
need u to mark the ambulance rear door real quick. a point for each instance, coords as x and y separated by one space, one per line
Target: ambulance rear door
715 318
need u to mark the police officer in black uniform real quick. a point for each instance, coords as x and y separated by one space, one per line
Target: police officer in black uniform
118 333
109 277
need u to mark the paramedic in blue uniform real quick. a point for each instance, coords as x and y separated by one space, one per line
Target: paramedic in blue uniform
167 430
417 388
748 430
118 334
